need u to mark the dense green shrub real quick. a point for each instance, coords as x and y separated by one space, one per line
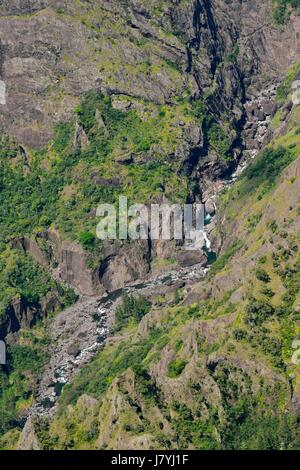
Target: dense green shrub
214 134
17 383
263 430
266 168
145 385
8 148
257 311
262 275
131 308
63 135
218 139
87 240
240 335
284 88
267 292
191 430
176 367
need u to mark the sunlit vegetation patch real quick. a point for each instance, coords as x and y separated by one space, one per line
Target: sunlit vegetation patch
64 183
131 309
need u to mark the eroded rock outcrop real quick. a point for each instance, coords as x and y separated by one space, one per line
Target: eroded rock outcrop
222 48
28 439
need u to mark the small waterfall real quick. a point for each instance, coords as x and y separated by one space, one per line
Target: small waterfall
211 255
2 92
207 241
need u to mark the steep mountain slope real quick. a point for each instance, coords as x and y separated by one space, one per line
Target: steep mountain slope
158 101
162 119
210 367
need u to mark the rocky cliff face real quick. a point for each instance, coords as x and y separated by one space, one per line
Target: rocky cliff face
52 51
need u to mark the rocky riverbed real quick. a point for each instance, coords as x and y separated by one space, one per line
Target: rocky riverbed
80 331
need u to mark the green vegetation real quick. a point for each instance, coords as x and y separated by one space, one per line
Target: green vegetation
64 183
8 148
251 428
131 308
262 275
283 8
216 137
87 240
27 284
233 55
98 375
176 367
64 133
216 374
23 280
257 311
111 130
267 167
284 88
192 431
221 262
17 384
